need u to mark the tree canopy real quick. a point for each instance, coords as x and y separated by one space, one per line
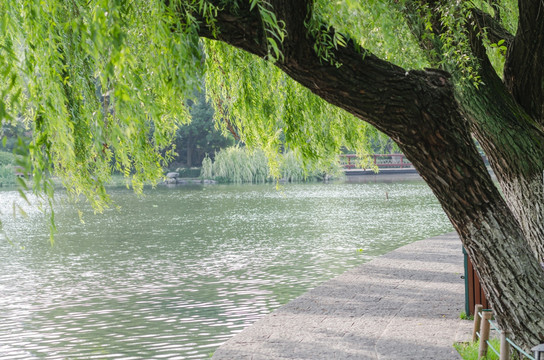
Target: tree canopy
100 82
103 82
201 137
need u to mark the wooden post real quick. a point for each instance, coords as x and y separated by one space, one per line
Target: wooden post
484 333
505 346
477 321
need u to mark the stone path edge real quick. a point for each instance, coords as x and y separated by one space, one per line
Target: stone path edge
404 304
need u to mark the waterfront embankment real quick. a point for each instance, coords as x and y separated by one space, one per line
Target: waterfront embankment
402 305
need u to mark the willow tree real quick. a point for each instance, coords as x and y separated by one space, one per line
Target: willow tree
101 85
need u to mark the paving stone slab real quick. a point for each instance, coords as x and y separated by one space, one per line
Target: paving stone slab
402 305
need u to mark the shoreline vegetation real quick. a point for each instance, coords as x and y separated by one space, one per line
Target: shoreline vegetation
240 165
230 165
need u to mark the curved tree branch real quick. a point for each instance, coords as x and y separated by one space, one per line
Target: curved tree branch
383 94
495 31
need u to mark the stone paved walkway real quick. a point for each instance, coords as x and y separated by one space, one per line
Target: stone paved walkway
403 305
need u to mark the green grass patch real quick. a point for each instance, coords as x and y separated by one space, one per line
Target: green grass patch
463 316
469 351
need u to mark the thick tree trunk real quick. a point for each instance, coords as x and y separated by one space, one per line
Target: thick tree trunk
514 143
419 111
511 277
516 155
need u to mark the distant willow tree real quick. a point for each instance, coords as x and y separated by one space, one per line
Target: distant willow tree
101 81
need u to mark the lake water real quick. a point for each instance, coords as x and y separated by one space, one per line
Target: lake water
176 273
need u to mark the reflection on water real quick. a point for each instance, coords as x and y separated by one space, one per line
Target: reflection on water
176 273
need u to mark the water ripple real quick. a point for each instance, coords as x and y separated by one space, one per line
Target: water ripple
178 272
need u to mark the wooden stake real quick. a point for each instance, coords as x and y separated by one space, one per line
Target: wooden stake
505 346
484 333
477 321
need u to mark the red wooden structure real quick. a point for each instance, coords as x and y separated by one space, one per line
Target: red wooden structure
474 293
349 161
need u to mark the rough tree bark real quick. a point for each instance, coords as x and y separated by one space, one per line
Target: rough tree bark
419 110
506 121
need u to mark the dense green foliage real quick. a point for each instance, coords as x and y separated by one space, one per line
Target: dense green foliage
7 176
241 165
11 133
7 158
100 82
99 85
200 137
7 169
269 110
